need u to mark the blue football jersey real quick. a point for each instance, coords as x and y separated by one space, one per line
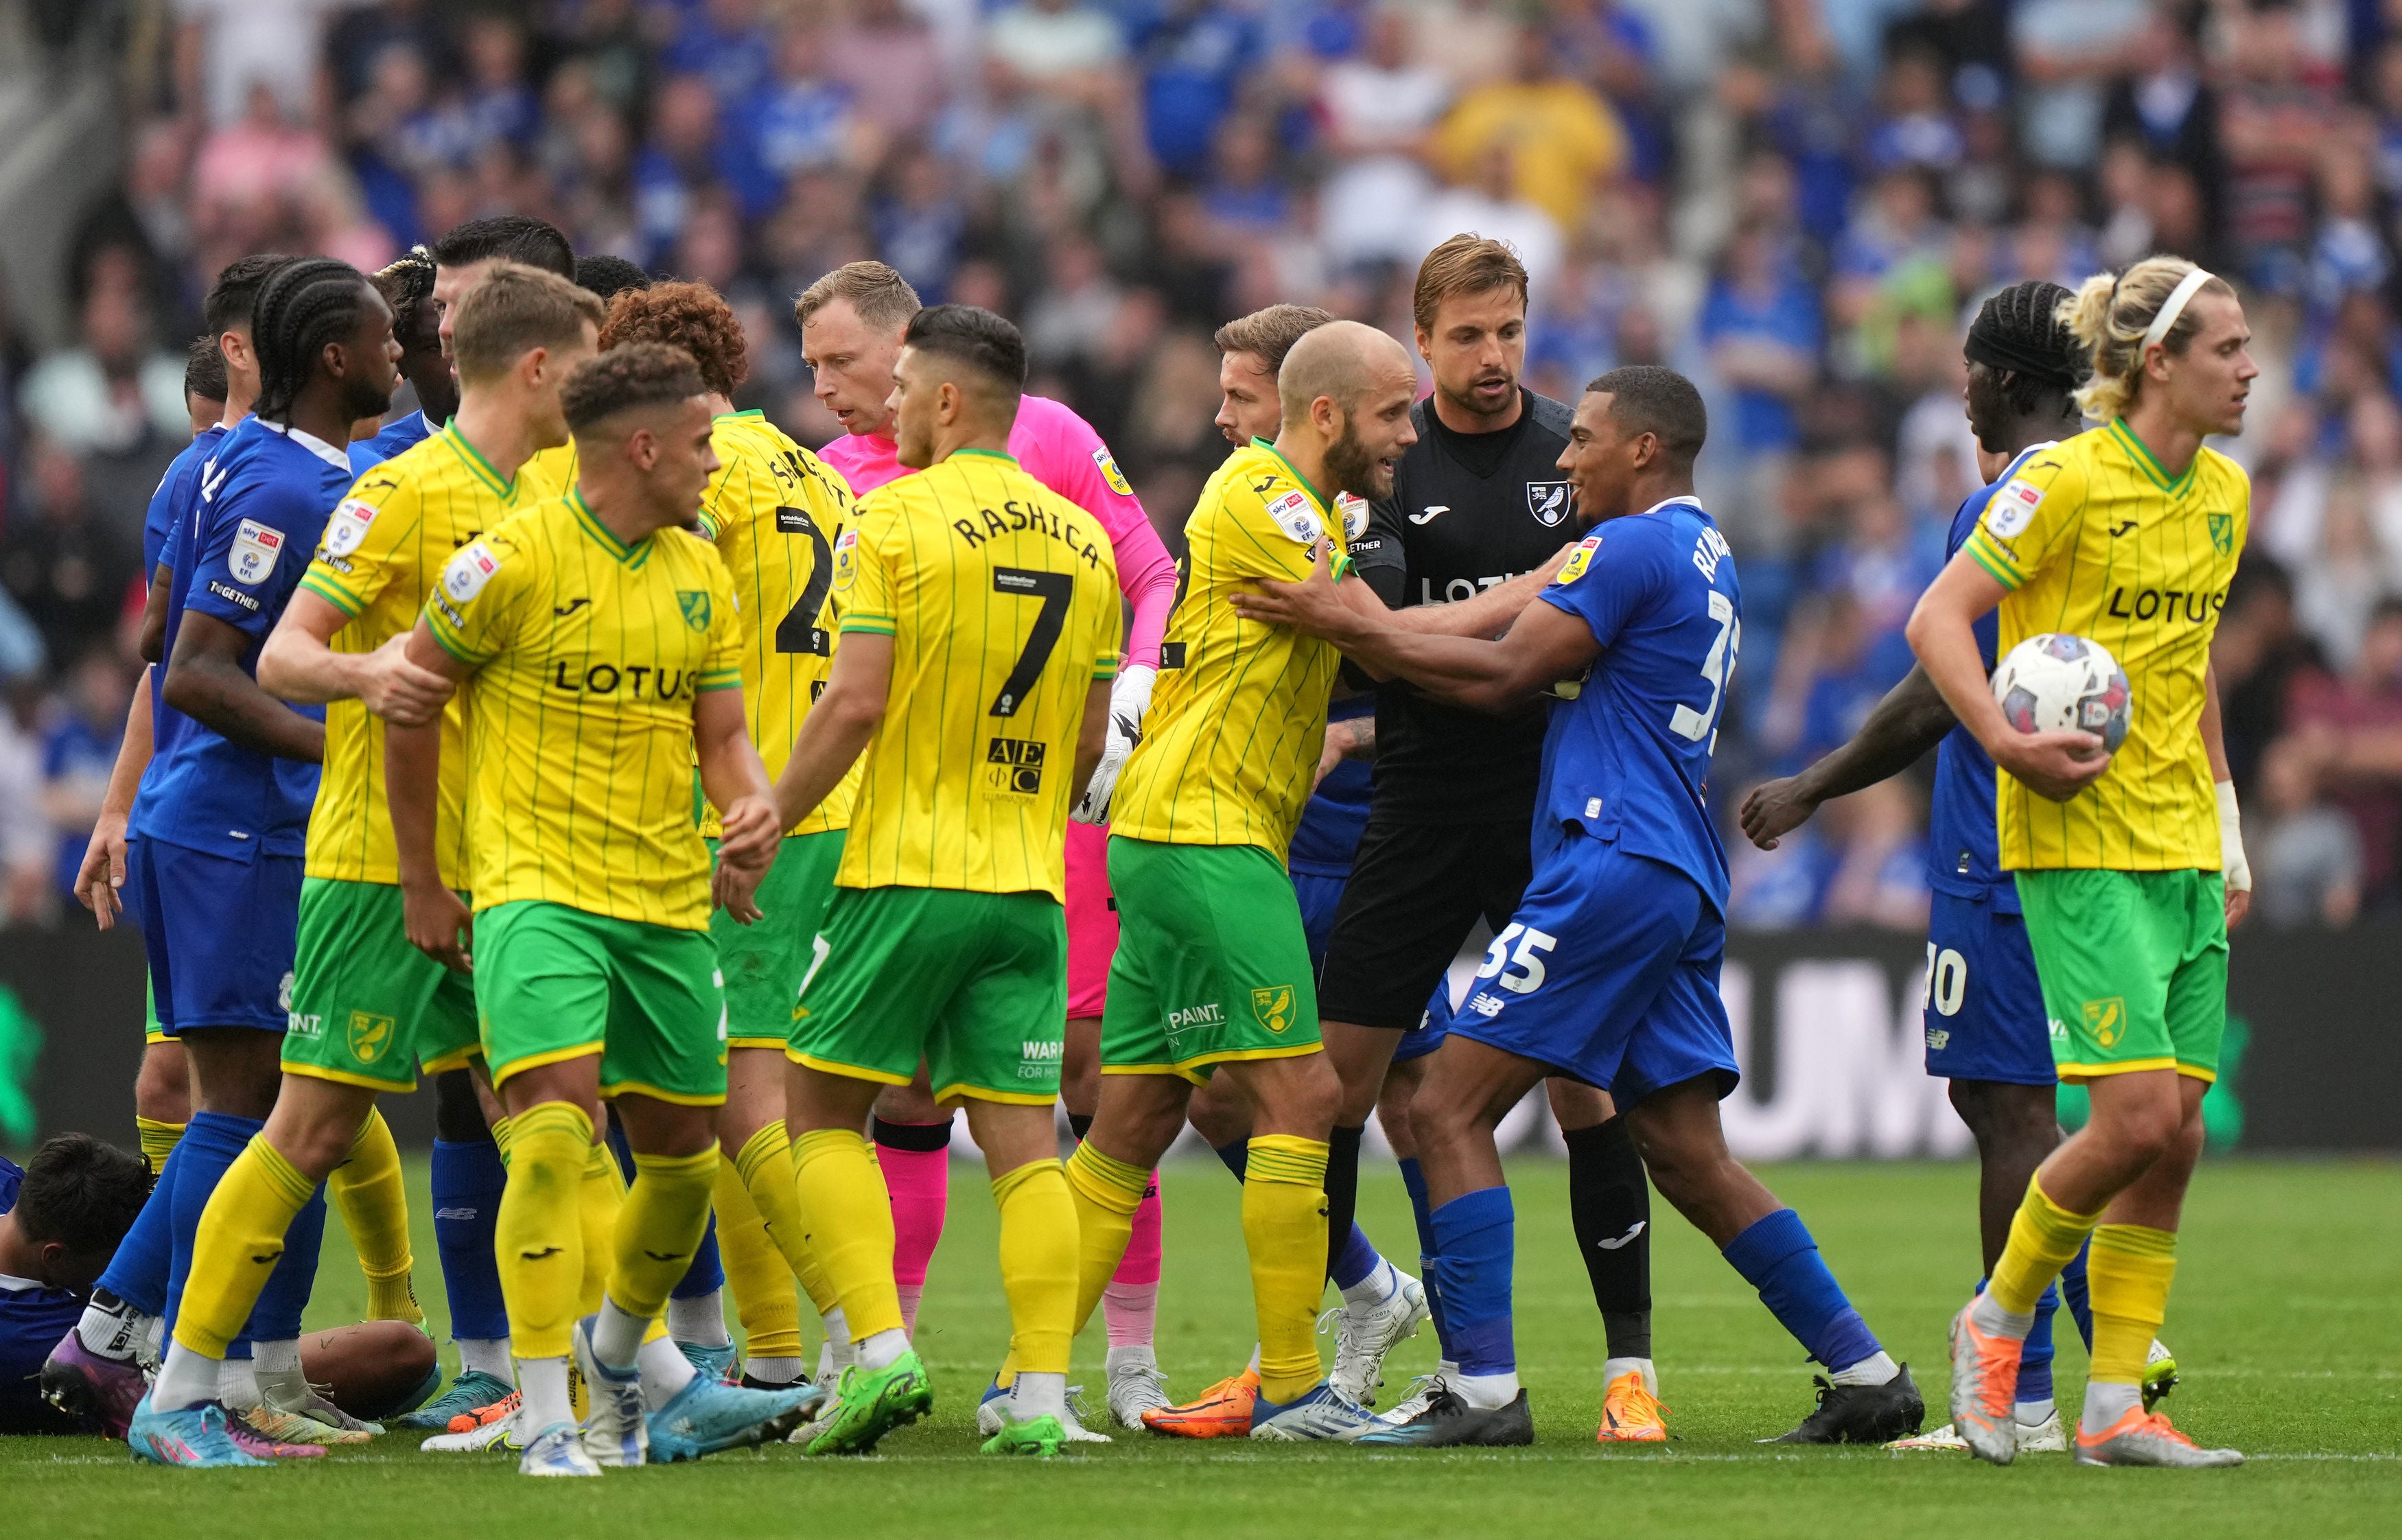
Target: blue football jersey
406 434
1628 759
33 1318
179 491
237 558
1328 835
1963 851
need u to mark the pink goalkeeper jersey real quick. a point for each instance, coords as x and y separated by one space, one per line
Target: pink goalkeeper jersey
1059 450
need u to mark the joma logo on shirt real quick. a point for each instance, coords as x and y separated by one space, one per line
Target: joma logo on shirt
1016 518
2165 604
607 679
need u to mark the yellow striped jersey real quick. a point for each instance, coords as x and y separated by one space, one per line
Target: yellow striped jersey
773 511
381 552
551 473
1238 717
1002 600
2095 539
589 655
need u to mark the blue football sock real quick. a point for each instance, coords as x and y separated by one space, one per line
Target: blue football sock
1414 1179
276 1316
210 1143
2034 1359
137 1273
1777 1256
1477 1247
1356 1260
2073 1294
620 1149
468 1180
707 1273
1237 1157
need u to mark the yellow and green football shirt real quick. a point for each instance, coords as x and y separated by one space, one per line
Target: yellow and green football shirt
589 655
2095 539
551 473
1240 714
773 511
380 554
1002 600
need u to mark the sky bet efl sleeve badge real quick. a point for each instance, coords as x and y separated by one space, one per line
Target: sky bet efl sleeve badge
1579 560
348 528
1297 518
255 549
1111 474
2012 504
1354 509
467 572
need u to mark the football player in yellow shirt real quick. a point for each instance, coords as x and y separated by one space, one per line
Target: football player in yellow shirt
775 512
2129 865
598 639
980 619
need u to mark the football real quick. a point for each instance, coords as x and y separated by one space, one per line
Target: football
2055 682
372 1370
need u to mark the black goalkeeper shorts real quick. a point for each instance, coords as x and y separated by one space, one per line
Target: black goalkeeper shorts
1415 893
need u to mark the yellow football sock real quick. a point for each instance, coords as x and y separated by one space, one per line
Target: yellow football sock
764 1166
159 1141
2129 1272
374 1201
597 1201
539 1236
1284 1227
501 1127
660 1227
1038 1265
847 1224
240 1241
1106 1194
2044 1237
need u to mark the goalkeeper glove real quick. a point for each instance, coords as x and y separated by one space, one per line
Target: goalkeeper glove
1129 699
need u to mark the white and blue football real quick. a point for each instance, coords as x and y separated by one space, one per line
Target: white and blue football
2055 682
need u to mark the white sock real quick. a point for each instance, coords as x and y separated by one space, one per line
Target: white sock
1486 1392
544 1384
1994 1321
1254 1365
617 1335
113 1331
881 1348
1032 1395
776 1371
1447 1367
238 1383
665 1372
186 1380
837 1337
1133 1353
280 1360
910 1293
2034 1414
2106 1401
700 1320
1613 1368
1874 1370
1375 1288
486 1354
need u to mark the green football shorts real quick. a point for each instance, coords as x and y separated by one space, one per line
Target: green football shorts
973 984
557 983
2134 967
767 964
1212 963
367 1008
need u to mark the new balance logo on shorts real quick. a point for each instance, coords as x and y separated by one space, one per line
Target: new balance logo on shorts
1488 1005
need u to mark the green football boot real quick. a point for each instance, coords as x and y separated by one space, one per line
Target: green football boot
871 1403
2160 1374
1040 1437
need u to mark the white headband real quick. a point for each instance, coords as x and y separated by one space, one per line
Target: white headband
2158 330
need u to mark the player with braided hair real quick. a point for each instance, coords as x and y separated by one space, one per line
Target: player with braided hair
406 285
1985 1024
224 824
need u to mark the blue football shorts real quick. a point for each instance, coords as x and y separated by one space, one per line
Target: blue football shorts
220 933
1320 896
1985 1018
1608 974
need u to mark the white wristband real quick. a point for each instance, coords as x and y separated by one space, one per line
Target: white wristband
2231 863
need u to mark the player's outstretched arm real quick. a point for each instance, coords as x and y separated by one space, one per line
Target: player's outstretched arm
2058 764
837 728
1910 721
736 781
297 664
102 877
206 681
1488 612
437 923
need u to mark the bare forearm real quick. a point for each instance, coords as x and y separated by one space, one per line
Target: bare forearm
1463 670
1354 738
730 767
295 665
1911 719
132 754
2213 735
213 691
412 772
829 744
1485 615
1947 656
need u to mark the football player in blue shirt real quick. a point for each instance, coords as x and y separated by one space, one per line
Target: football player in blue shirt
1609 971
224 827
1986 1027
61 1217
408 286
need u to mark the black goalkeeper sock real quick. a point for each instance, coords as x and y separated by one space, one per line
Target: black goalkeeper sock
1237 1157
1342 1189
1609 1199
1080 1124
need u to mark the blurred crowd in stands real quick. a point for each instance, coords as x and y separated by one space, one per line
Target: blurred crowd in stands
1796 201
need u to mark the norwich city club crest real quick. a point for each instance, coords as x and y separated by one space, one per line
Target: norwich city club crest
696 607
1272 1006
2222 533
369 1036
2106 1020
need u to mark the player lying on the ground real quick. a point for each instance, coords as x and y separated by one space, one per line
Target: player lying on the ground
2127 875
1609 972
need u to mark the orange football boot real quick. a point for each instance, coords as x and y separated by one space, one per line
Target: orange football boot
1222 1412
1630 1413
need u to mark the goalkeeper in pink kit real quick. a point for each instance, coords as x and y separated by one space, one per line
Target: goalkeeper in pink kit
851 322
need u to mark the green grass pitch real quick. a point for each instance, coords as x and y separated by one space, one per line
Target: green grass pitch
2288 1318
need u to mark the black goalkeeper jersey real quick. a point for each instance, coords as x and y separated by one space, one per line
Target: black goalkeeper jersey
1469 511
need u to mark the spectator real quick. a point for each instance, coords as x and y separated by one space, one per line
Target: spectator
1566 143
2276 122
1761 329
119 387
1491 202
66 570
2344 738
799 119
2307 857
1192 59
887 59
2256 654
2068 51
79 749
231 48
1377 108
2162 106
27 841
726 44
1065 45
1917 126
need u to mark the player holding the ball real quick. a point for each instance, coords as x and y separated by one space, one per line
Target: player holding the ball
2128 866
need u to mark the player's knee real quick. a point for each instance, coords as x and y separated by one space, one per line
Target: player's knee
1298 1096
909 1104
2139 1127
